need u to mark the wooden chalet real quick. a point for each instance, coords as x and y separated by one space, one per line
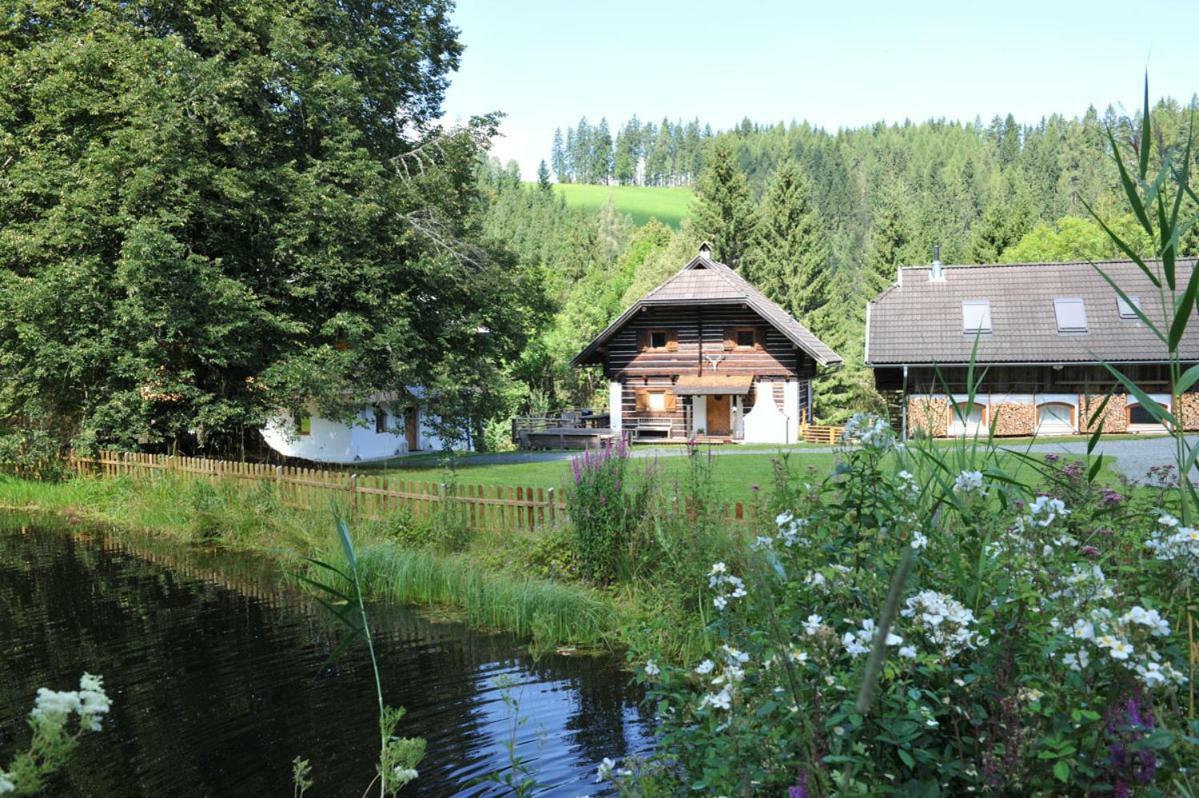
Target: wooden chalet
707 355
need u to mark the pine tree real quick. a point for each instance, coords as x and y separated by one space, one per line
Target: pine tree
1008 216
558 156
890 235
723 214
543 176
788 255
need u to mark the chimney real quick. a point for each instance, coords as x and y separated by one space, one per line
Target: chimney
936 273
705 250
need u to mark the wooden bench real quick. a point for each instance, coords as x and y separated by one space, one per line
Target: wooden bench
663 426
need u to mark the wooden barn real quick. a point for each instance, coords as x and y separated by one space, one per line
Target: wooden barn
707 355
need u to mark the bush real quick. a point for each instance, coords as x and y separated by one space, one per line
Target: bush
606 508
32 454
1031 650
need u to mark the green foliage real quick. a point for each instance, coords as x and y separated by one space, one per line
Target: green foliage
606 507
724 214
32 453
211 213
1075 238
788 255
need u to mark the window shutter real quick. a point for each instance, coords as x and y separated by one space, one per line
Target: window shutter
730 339
672 341
642 400
642 340
672 402
759 338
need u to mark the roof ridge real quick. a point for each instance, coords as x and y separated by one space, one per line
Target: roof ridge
1026 264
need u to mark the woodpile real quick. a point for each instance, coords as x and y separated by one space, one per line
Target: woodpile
929 416
1114 419
1189 403
1013 418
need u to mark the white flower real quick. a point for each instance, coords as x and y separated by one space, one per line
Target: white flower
705 667
735 656
93 701
798 656
717 569
53 705
1076 660
763 542
919 540
1044 510
720 602
968 482
944 621
853 645
6 784
812 625
815 579
651 668
1120 649
405 775
604 771
721 700
908 652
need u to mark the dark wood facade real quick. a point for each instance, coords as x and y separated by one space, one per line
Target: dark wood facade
633 359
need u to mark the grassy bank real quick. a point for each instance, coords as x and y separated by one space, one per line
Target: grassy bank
490 580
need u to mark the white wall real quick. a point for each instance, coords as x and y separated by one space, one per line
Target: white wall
791 409
699 414
335 442
615 400
765 423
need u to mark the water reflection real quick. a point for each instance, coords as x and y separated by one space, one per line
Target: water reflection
214 673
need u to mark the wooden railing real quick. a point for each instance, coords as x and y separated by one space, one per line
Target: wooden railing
362 496
820 433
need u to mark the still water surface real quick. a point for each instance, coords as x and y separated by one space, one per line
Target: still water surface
215 673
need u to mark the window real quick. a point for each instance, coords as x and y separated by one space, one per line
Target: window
966 419
976 316
1126 308
380 420
745 338
303 424
656 402
1055 418
1071 315
659 340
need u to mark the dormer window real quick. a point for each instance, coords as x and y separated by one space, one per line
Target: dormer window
976 316
1126 307
1071 315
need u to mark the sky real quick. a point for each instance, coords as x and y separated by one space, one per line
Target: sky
834 64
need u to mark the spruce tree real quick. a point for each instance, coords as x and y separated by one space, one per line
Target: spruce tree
558 156
723 214
543 176
788 255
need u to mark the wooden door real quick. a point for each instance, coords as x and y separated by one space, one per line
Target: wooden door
718 414
410 431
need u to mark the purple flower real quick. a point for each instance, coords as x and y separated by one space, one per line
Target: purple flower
800 790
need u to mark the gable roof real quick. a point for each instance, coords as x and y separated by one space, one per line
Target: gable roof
704 281
919 320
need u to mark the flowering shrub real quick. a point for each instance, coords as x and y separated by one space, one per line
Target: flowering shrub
53 741
605 509
1030 651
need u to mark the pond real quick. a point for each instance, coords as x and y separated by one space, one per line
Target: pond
215 670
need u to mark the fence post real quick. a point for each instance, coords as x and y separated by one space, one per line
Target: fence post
441 500
353 496
553 507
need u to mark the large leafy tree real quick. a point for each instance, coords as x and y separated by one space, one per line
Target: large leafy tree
723 213
211 211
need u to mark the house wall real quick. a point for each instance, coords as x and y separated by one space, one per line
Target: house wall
334 442
1012 394
776 356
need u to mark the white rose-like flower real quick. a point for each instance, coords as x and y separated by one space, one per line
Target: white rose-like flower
604 771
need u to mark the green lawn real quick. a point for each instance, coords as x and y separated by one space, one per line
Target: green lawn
666 203
734 475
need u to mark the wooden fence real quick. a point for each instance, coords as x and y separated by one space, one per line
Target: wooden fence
816 433
365 496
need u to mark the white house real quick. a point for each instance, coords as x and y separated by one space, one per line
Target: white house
383 429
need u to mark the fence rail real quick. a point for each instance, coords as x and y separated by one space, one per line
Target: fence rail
365 496
816 433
